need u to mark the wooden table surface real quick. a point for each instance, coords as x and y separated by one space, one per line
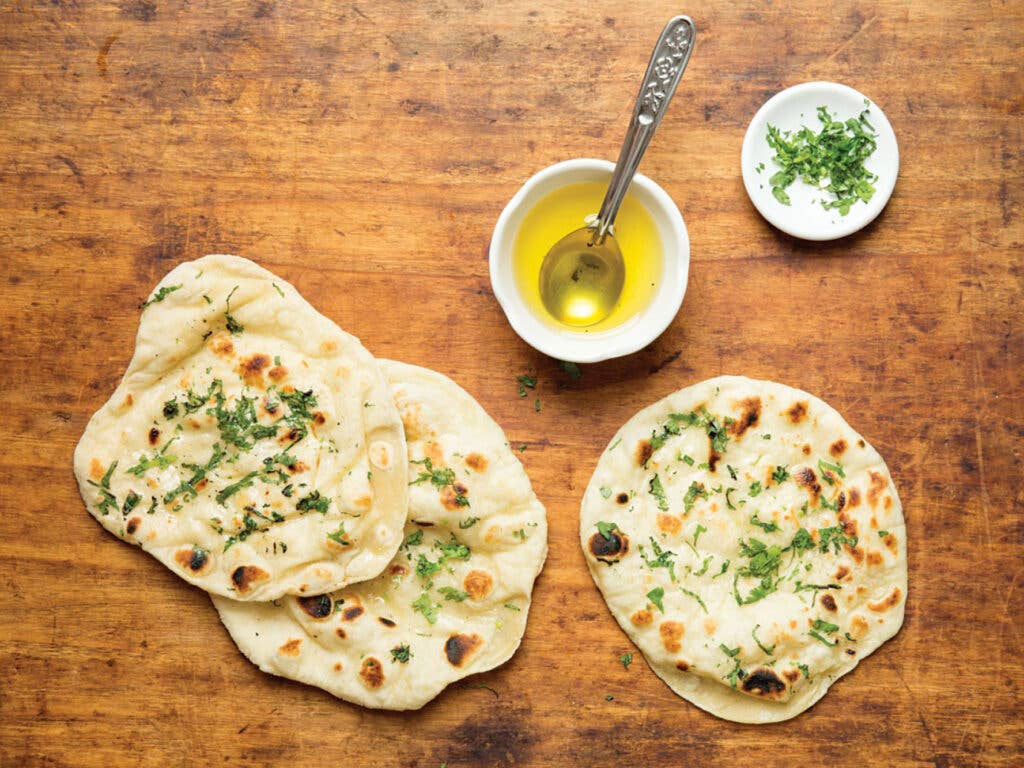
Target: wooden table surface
363 151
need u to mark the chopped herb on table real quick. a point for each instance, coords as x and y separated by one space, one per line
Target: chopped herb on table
626 659
831 160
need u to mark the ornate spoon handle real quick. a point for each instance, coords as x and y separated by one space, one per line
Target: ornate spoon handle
668 61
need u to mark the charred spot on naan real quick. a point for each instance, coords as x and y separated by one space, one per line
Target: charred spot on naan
797 412
612 547
291 647
352 613
220 344
642 617
459 647
764 683
842 573
805 477
671 635
386 622
891 543
478 584
397 569
854 497
858 626
838 448
133 525
453 497
277 374
750 415
874 558
890 601
622 498
476 461
245 576
251 369
828 602
317 606
193 558
154 436
877 485
669 524
683 666
372 673
644 451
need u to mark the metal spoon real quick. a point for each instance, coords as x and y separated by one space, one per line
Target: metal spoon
581 277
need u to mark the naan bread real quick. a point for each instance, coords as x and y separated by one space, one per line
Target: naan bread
454 600
252 446
749 542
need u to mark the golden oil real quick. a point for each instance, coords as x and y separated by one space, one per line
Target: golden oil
556 215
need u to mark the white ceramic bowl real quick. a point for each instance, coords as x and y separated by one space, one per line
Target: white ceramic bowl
804 217
635 333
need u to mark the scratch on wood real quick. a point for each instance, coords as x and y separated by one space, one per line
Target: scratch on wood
101 57
74 169
670 359
851 38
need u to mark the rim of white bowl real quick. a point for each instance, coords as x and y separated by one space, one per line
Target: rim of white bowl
811 227
634 334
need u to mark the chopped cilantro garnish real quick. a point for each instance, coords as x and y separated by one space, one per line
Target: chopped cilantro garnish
695 491
451 593
822 638
882 534
234 327
704 567
428 608
806 672
339 536
453 549
770 527
688 459
753 634
513 607
400 653
605 492
655 596
826 468
526 382
836 154
696 534
780 474
625 660
425 567
571 369
662 558
605 529
413 539
469 522
696 597
314 501
658 492
160 295
834 538
755 488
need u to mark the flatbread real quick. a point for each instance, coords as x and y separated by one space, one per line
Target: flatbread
454 600
252 446
749 542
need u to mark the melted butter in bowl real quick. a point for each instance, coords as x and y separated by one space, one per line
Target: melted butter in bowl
566 209
655 247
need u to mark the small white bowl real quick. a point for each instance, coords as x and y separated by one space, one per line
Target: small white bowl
635 333
804 217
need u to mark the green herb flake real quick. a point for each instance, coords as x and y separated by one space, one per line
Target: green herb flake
687 460
882 534
339 536
160 295
804 669
755 489
526 382
605 529
428 608
658 492
655 596
400 653
695 491
571 369
780 474
451 593
768 650
696 534
662 558
314 501
469 522
513 607
605 491
770 527
625 660
696 597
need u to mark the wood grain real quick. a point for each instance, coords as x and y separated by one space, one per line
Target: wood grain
363 151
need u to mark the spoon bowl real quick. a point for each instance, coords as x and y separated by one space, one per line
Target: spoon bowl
581 277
